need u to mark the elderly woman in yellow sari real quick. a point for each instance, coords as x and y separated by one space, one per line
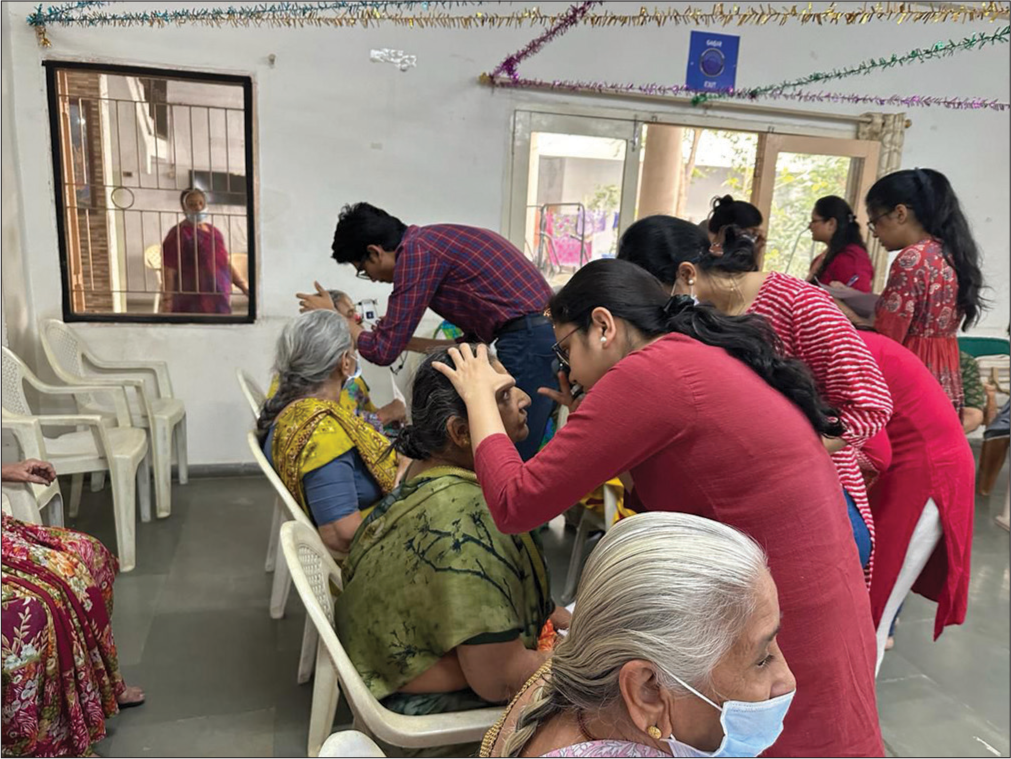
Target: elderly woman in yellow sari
333 462
440 611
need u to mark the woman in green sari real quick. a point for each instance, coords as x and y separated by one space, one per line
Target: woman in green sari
440 611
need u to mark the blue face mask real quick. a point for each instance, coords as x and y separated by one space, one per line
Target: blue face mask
196 217
749 727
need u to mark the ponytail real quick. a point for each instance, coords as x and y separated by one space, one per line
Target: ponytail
726 212
660 244
544 705
289 389
929 195
751 339
634 295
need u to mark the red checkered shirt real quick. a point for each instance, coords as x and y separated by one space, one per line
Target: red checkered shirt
472 277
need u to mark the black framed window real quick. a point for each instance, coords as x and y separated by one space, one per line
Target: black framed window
154 193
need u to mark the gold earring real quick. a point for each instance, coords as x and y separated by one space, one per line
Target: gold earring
653 732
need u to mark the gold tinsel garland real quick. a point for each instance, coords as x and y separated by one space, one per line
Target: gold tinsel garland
718 15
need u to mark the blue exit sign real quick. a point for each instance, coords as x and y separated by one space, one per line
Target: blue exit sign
712 61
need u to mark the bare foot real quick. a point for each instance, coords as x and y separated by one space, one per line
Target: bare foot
132 696
890 643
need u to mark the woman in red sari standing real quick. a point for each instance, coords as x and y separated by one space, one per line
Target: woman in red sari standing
722 427
923 499
935 282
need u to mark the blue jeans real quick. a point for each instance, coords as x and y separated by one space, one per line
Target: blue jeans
860 532
527 356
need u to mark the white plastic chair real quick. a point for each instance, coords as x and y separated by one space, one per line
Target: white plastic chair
43 502
313 571
350 743
255 397
282 578
251 391
94 447
163 414
22 509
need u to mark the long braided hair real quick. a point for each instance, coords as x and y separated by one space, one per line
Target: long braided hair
672 589
308 351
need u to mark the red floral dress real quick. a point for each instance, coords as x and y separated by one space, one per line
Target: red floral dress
919 309
60 669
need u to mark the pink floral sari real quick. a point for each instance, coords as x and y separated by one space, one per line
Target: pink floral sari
60 670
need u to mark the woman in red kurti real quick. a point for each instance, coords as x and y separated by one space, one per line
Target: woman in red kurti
845 260
935 281
722 427
922 499
809 325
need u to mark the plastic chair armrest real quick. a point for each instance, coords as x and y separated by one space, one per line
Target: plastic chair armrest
116 391
28 433
158 368
124 382
70 420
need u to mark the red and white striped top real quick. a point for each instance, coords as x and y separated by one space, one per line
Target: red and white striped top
815 331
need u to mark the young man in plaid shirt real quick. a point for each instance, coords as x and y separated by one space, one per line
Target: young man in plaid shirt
472 277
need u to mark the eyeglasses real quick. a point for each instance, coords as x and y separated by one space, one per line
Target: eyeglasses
561 353
872 223
817 221
362 274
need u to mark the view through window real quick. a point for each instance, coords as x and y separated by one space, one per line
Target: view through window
154 193
576 188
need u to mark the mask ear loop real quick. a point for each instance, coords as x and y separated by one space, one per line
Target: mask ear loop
691 291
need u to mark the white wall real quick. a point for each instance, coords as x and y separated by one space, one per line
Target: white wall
429 145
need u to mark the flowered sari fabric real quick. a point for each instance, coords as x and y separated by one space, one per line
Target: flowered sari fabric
60 670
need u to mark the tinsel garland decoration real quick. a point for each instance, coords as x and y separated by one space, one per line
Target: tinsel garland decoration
566 21
939 49
353 13
680 90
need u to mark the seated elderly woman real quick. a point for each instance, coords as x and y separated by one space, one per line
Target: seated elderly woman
672 651
440 611
333 462
356 397
61 677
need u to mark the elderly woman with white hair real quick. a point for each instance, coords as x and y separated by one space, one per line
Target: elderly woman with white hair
671 651
333 462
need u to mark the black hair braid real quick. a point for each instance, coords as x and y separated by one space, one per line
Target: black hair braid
289 389
634 295
751 339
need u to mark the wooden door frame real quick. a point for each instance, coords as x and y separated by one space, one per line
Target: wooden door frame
867 154
528 121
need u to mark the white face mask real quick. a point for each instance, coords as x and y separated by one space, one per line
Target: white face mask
749 727
354 375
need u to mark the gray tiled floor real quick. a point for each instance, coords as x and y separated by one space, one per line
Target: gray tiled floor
193 630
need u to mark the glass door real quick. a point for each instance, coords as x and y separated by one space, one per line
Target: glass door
574 188
791 173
